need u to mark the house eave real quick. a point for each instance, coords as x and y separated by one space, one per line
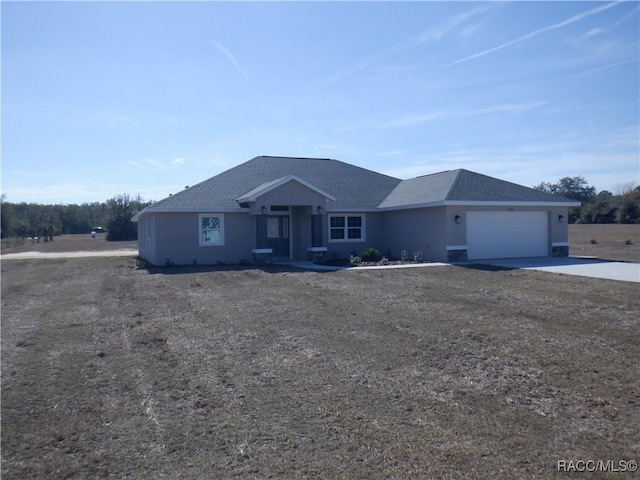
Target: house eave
208 209
513 204
439 203
456 203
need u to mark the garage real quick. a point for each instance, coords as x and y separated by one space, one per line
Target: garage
507 234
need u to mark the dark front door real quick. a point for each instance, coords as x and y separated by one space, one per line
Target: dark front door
278 235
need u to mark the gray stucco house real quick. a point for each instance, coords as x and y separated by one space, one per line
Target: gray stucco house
309 208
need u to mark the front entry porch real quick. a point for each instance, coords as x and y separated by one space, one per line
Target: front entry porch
289 215
289 233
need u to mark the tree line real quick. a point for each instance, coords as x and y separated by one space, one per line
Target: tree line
623 206
45 221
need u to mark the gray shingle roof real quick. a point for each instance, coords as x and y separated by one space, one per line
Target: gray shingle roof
471 186
353 187
463 186
421 190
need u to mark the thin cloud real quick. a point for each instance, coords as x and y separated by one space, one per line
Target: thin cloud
412 120
152 164
611 65
217 161
508 108
528 164
626 17
438 31
601 30
595 31
362 65
325 147
555 26
229 56
391 153
431 34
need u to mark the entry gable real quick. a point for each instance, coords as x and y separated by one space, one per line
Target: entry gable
253 195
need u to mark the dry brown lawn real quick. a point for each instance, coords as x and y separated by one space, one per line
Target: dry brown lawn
610 241
67 243
438 372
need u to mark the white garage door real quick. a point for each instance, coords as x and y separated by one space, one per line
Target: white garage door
507 234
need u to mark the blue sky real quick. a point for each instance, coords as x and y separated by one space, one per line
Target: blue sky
126 97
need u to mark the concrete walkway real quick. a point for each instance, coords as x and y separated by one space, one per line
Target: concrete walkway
334 268
584 267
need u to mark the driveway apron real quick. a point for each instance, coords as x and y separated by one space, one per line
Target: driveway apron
585 267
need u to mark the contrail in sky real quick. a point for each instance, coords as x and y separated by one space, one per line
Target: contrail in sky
537 32
611 65
229 57
431 34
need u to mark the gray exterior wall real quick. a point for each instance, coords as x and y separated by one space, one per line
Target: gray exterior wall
417 230
147 238
300 231
374 236
176 240
290 194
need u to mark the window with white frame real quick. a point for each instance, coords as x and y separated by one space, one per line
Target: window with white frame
211 227
346 228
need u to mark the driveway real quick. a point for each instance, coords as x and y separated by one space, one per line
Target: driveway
585 267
